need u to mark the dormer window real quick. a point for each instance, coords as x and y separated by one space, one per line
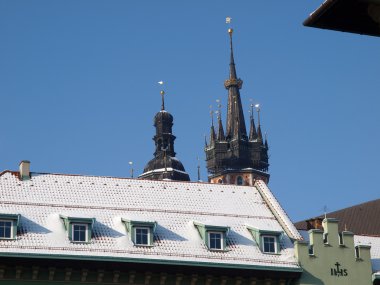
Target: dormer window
267 240
213 236
79 230
8 226
140 232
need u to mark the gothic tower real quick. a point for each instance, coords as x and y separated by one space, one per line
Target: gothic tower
164 165
234 157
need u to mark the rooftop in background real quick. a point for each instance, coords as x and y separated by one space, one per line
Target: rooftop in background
362 219
353 16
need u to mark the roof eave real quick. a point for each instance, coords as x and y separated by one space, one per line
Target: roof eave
275 267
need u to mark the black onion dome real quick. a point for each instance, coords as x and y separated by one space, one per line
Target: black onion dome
163 116
160 163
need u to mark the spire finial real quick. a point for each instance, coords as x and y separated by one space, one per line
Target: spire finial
162 92
198 169
131 164
219 112
258 113
212 116
232 61
251 108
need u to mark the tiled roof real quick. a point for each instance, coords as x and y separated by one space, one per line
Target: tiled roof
362 219
173 205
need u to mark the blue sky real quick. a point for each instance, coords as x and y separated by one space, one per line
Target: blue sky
78 90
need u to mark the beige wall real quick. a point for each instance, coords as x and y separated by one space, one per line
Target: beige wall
333 263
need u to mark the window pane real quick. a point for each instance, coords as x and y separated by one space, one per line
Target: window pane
79 232
269 244
215 240
5 229
142 235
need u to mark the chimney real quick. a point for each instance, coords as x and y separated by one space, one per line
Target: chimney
25 170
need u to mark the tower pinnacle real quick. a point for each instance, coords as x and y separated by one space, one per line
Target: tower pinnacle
233 157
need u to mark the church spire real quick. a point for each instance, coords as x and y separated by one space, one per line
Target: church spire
235 116
212 130
252 131
220 136
259 133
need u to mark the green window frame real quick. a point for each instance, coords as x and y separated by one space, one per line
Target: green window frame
214 237
267 240
141 233
79 230
8 226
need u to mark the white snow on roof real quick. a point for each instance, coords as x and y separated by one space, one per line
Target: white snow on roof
277 210
173 205
374 242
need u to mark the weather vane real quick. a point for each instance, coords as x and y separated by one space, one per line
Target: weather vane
228 21
162 92
257 106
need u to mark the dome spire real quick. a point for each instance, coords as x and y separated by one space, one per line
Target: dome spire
162 92
164 165
235 116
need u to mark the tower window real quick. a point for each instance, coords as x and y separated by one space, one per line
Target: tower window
239 180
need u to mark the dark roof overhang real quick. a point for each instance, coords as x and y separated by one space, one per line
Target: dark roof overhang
353 16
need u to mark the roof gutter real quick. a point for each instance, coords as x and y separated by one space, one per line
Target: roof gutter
317 14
